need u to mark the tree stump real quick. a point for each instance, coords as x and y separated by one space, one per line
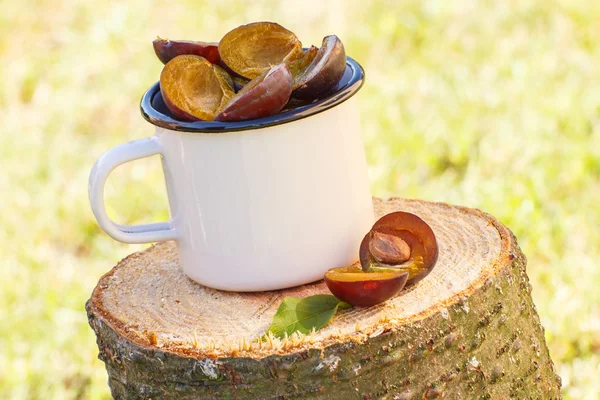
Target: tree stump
468 330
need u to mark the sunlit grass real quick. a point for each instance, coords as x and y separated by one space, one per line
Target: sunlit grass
494 105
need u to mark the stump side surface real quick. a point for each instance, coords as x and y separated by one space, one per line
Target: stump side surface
147 298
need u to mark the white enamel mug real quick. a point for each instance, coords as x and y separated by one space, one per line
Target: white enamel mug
255 205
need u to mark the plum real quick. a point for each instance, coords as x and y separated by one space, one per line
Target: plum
239 82
324 72
263 96
249 50
364 289
194 89
166 49
225 77
402 241
299 65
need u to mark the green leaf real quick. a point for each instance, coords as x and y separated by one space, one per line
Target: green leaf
304 314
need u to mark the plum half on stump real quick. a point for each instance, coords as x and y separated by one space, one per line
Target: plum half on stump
364 289
400 249
403 241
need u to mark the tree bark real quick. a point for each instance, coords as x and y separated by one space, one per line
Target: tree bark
468 331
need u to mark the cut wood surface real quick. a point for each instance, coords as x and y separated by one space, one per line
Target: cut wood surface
468 330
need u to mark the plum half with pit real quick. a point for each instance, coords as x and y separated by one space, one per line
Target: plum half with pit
194 89
399 250
402 241
263 96
249 50
324 72
364 289
166 49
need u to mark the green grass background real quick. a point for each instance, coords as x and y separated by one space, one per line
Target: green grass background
489 104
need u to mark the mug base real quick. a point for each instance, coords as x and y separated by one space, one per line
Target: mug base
257 287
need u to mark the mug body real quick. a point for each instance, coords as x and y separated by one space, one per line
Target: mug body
259 204
269 208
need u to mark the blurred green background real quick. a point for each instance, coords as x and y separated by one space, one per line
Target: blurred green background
489 104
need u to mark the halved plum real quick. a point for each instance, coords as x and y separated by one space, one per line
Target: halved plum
166 49
402 241
299 65
193 89
263 96
249 50
324 72
224 76
239 82
364 289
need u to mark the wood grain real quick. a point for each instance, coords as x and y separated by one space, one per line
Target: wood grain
146 306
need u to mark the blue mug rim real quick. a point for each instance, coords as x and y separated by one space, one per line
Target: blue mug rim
351 82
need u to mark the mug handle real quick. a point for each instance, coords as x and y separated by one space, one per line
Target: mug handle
105 164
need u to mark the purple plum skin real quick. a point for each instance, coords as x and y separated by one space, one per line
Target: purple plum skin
325 71
366 293
166 50
265 95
